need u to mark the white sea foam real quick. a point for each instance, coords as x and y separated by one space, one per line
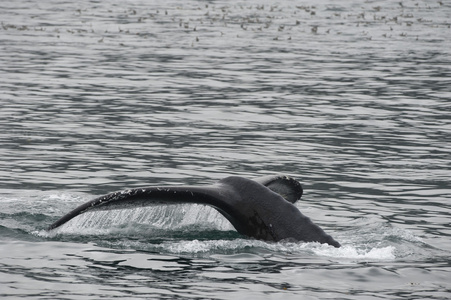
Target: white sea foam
377 242
347 251
354 252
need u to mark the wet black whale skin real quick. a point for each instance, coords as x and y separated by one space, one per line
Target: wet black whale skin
262 208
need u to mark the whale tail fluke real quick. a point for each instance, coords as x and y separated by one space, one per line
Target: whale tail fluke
262 208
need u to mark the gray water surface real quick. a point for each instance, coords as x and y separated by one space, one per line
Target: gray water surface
351 98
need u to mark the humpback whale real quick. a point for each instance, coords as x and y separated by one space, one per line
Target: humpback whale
262 208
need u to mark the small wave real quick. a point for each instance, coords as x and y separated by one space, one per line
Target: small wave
234 246
348 251
353 252
201 230
195 240
196 246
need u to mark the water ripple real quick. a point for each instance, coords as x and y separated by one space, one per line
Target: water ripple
352 100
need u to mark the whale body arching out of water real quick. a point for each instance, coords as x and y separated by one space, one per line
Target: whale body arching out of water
262 208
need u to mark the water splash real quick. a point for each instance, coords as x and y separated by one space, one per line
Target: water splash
150 219
355 252
201 230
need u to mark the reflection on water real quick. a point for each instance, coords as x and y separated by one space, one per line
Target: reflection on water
352 99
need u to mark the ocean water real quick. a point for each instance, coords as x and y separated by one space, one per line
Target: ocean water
352 98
